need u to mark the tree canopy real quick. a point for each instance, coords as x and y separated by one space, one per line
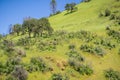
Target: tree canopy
33 26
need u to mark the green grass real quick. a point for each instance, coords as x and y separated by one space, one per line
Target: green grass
86 18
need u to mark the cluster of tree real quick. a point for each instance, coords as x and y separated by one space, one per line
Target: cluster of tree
32 25
70 7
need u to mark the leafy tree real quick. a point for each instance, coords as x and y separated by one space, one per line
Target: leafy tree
44 25
73 6
67 7
70 7
17 28
53 6
28 25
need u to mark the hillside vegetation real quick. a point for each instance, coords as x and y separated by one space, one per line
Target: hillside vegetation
85 45
87 17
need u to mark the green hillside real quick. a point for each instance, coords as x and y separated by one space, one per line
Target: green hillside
83 46
86 18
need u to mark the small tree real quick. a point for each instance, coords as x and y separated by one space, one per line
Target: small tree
67 7
70 7
17 28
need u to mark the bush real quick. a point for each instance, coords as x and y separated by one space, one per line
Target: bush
71 35
115 34
94 50
21 52
107 12
74 54
85 70
117 0
112 16
11 63
2 68
47 45
39 64
71 46
11 78
110 74
85 35
8 46
82 69
58 12
59 76
20 73
99 51
71 62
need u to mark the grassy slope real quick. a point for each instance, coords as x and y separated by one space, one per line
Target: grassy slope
86 18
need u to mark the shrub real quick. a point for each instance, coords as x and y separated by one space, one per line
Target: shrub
94 50
11 63
39 64
107 12
74 54
47 45
2 68
31 68
117 0
71 46
21 52
85 35
85 70
99 51
82 69
25 41
115 34
8 46
58 76
87 48
71 35
20 73
112 16
58 12
11 78
110 74
101 14
71 62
